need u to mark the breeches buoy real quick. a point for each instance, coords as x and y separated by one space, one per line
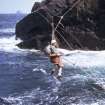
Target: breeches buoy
55 59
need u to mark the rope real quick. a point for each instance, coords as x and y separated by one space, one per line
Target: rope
64 40
52 24
43 17
78 1
53 32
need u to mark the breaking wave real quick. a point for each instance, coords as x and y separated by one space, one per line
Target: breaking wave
8 44
7 30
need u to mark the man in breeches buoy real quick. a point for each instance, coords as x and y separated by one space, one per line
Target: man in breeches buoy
55 58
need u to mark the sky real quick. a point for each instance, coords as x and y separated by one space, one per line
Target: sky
12 6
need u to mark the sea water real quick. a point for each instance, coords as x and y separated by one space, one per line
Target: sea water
25 75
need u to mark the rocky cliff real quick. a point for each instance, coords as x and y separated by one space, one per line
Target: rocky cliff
82 28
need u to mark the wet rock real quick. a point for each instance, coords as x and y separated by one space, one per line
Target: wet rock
83 25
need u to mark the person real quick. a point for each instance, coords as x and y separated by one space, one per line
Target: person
55 58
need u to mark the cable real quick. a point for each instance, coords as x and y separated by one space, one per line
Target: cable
78 1
52 24
43 17
64 40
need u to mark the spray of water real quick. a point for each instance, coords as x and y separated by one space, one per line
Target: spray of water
9 44
83 59
7 30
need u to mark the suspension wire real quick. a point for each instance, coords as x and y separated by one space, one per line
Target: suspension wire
51 24
61 28
43 17
53 32
64 39
77 2
59 23
67 43
74 37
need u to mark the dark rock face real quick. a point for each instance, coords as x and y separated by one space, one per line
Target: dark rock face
34 31
84 25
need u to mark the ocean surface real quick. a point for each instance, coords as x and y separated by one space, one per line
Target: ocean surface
25 74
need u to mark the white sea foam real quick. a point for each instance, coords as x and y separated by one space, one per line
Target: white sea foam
91 63
84 59
28 97
8 44
7 30
41 70
77 58
98 102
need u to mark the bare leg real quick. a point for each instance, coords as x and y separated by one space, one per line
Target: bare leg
54 70
60 71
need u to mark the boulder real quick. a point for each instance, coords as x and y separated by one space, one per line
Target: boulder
82 27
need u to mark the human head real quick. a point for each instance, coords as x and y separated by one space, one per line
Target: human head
53 42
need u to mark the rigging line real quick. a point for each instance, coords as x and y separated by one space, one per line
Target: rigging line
62 25
37 11
78 1
51 24
74 64
53 32
74 37
43 17
68 44
65 40
61 28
